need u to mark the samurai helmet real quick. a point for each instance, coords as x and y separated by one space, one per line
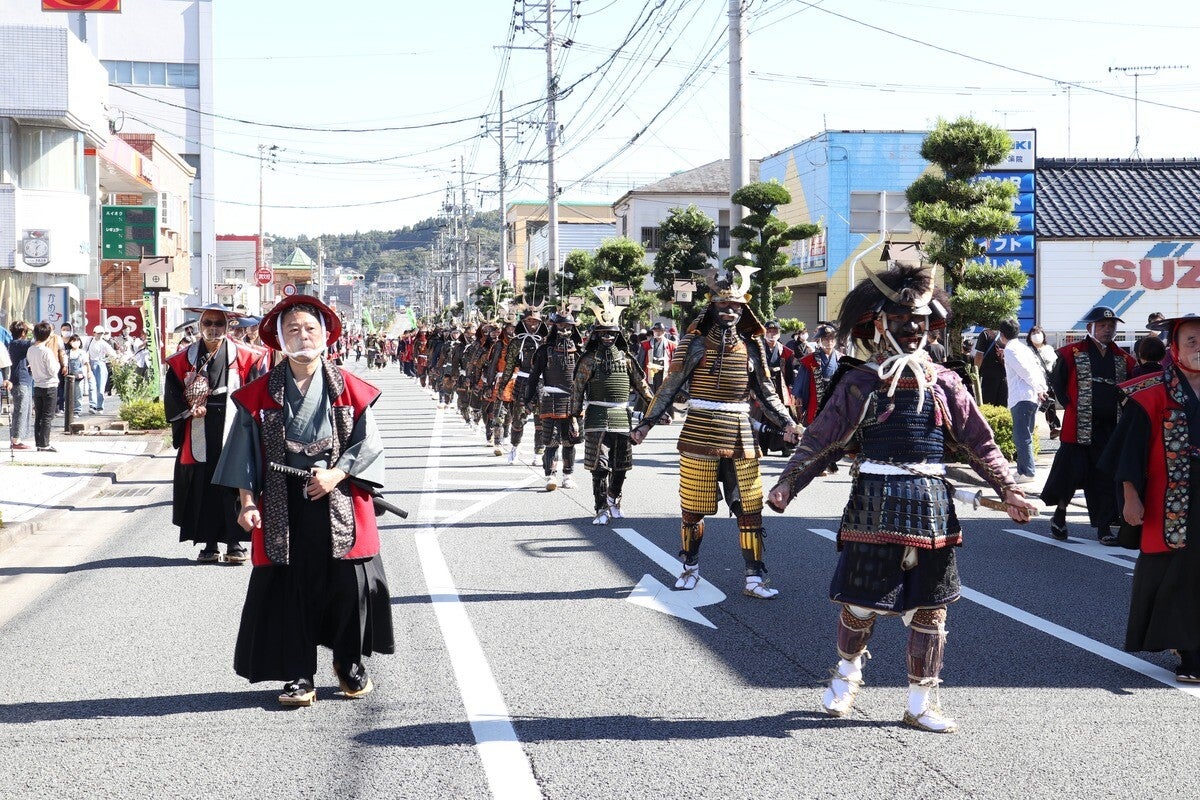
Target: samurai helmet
733 288
608 314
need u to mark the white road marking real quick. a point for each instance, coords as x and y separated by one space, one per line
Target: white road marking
1084 548
505 763
1119 657
651 593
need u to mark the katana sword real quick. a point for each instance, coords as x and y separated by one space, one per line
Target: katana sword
376 496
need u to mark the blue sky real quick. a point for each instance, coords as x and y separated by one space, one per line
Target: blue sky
662 104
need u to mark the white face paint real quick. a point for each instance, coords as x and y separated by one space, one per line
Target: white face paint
301 336
1187 339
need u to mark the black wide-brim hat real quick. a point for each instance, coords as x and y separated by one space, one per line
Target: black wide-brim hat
1171 324
267 328
1101 313
231 314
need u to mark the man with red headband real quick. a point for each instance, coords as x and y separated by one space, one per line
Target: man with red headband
1153 454
1085 380
317 578
199 382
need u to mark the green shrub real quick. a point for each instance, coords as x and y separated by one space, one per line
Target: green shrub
128 385
144 415
1000 418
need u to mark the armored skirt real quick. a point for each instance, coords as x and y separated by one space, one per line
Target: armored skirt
314 600
886 515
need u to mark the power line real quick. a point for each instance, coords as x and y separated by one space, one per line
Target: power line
281 126
996 64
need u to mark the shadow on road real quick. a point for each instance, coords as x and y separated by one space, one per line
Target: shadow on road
131 562
619 727
115 707
612 593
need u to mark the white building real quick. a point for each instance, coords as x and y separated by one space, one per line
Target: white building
51 110
641 211
158 54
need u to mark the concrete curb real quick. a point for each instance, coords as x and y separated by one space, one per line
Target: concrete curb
105 476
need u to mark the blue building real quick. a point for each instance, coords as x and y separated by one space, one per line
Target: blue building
853 184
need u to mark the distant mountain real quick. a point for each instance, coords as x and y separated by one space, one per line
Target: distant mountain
404 250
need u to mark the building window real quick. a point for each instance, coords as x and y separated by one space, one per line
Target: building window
8 152
153 73
235 276
722 237
50 158
872 212
652 238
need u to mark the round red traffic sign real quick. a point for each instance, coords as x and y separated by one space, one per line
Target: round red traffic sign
263 276
289 289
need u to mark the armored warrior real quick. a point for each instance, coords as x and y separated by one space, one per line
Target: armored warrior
530 335
898 534
1085 379
604 378
491 369
723 363
553 368
422 348
468 355
451 361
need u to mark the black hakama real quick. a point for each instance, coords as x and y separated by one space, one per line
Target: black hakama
314 600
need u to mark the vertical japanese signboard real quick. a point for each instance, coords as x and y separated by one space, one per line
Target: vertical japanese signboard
1019 248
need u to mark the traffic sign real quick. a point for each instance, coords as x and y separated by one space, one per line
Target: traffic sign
289 289
263 276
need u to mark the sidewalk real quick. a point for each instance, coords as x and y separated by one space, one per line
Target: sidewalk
34 484
1047 447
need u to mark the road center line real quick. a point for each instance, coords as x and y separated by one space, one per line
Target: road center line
1108 653
505 763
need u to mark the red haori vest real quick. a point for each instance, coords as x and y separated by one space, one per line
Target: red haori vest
1164 523
358 530
247 365
1077 411
817 387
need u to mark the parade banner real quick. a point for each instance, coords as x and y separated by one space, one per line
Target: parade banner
107 6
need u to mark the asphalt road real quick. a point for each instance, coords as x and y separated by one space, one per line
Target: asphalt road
537 658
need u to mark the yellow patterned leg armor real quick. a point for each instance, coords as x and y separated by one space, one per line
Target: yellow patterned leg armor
698 485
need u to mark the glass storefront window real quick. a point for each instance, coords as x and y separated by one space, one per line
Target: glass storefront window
50 158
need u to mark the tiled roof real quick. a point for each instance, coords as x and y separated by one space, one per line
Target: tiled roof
1117 198
712 178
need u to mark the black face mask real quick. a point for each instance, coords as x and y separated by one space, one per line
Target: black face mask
729 317
907 330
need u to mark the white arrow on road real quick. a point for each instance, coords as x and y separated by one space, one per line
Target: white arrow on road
651 593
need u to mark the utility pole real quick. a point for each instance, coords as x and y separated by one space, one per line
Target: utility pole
551 138
1138 72
264 153
503 208
462 210
549 7
739 165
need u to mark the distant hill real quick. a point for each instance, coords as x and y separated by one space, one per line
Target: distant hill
404 250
